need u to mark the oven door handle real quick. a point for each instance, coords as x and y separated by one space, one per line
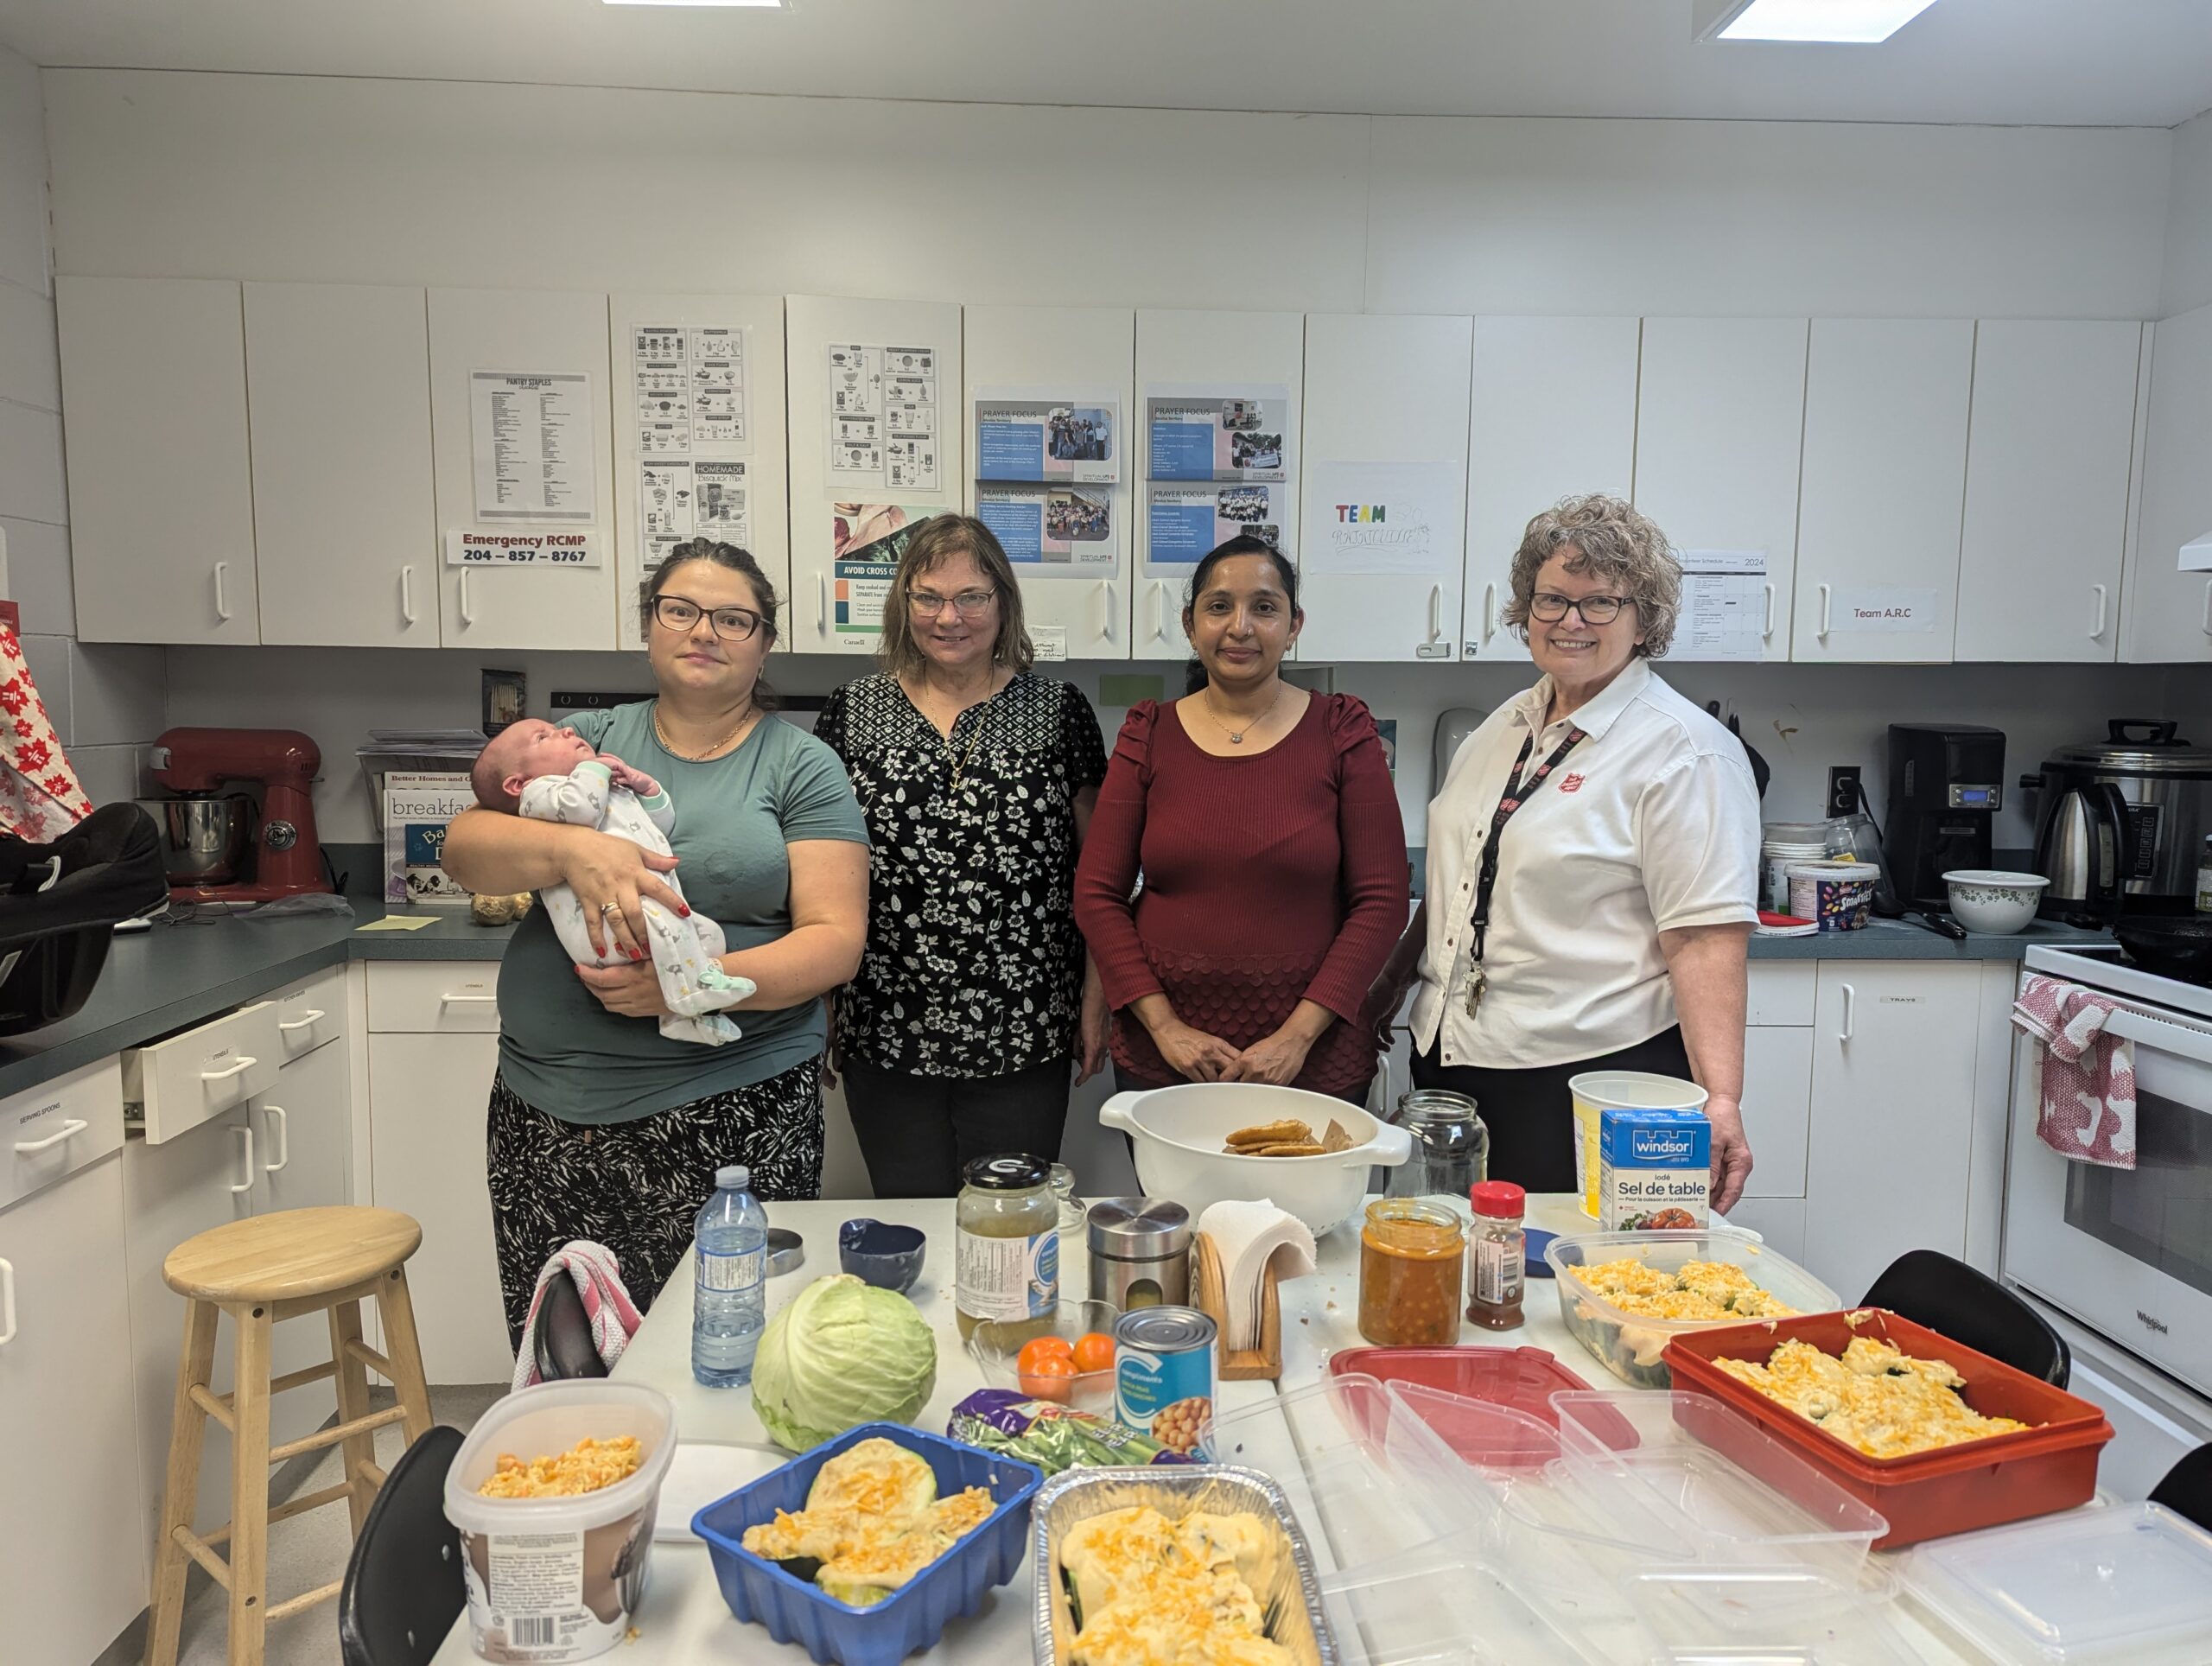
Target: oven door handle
2142 1029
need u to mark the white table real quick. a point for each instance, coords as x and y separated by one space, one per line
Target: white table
683 1619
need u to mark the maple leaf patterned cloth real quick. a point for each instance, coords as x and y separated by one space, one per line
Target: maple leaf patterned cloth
40 796
597 1275
2088 1075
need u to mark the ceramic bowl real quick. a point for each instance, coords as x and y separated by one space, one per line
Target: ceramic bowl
1992 900
879 1253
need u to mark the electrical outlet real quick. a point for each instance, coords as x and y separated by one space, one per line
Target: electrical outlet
1843 789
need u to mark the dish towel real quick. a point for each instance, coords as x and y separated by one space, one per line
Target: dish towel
39 797
597 1278
2088 1075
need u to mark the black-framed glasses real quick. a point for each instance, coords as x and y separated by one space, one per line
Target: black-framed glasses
681 613
969 604
1595 610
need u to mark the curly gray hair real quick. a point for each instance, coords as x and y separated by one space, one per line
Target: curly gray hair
1608 538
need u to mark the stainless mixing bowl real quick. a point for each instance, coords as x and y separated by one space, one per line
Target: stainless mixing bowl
203 840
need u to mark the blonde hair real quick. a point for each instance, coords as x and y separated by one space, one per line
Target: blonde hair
1608 539
935 541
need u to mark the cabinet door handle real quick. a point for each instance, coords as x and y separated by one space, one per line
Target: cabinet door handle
1489 611
1823 631
1160 609
246 1063
1435 612
1106 610
820 605
304 1020
442 999
7 1301
2208 607
1850 997
407 595
284 1138
1768 629
468 612
222 598
247 1183
2097 625
74 1125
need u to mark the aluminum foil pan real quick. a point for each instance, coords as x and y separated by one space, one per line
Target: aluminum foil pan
1295 1617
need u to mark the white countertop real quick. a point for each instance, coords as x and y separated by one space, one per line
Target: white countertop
683 1619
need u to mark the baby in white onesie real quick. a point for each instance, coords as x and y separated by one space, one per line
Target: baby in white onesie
549 774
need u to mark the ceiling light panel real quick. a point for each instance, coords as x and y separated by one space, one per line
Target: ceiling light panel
1853 23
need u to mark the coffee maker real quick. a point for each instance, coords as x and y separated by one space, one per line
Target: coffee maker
1945 792
218 847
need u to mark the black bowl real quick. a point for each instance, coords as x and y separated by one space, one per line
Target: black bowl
2174 946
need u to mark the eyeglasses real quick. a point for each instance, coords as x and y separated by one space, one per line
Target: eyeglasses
969 604
681 613
1595 610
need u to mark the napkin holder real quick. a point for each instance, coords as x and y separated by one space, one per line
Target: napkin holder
1207 1293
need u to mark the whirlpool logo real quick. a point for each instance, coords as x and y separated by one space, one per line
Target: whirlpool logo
2158 1324
1659 1145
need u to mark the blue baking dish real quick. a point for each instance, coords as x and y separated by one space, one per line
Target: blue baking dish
910 1619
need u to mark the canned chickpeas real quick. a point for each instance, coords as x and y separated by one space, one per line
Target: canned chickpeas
1164 1373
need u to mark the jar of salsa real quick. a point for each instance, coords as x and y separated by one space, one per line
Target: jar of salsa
1410 1257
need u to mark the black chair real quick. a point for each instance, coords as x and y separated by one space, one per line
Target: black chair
1931 1288
404 1588
561 1339
2187 1489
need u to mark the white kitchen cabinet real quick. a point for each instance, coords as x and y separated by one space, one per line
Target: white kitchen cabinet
1777 1107
1390 393
1078 606
1200 353
344 505
72 1569
1720 418
1883 489
1779 1221
520 332
428 1096
1894 1046
1552 415
837 602
302 1136
2170 611
160 495
2048 456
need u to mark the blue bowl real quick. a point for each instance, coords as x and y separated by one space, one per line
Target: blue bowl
888 1257
913 1618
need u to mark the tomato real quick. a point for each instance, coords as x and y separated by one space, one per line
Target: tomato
1093 1352
1043 1348
1051 1378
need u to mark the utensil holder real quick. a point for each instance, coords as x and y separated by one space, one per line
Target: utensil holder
1210 1295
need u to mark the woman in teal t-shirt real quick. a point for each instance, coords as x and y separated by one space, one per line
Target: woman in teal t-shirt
600 1128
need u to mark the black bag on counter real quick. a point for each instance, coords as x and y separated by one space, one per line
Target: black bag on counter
60 904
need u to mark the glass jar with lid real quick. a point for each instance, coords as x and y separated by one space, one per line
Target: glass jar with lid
1411 1256
1450 1151
1005 1242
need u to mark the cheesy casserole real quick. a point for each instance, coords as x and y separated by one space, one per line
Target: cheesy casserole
1875 1398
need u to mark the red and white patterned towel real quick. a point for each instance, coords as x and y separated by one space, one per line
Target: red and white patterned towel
40 798
597 1278
2088 1075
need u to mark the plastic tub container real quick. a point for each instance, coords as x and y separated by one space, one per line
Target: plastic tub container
1836 896
2130 1583
1630 1346
995 1346
551 1580
1524 1379
2050 1466
1597 1091
913 1617
1770 1617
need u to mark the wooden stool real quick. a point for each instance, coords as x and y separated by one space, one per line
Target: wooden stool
259 1271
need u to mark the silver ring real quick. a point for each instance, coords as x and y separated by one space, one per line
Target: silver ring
607 908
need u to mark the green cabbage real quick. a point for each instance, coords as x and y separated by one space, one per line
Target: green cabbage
842 1352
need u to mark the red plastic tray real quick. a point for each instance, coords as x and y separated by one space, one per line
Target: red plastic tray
1926 1495
1522 1378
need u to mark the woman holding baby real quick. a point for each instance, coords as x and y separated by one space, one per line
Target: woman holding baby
603 1124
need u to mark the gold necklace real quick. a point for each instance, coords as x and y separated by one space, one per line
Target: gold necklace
960 762
660 734
1236 736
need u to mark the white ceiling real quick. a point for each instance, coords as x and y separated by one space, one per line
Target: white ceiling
2098 62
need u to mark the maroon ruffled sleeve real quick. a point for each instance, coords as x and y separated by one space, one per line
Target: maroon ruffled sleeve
1376 885
1106 874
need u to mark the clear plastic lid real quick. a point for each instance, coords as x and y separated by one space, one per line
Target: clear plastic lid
2130 1583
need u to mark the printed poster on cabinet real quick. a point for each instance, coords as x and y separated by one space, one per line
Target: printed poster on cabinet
883 411
694 443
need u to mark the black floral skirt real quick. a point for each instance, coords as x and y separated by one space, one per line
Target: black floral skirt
636 1187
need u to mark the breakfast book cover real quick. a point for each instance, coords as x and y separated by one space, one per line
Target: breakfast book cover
416 811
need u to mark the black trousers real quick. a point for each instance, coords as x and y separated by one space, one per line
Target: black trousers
1530 1113
917 1133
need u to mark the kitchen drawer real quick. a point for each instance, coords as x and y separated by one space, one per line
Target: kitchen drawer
1781 991
425 995
58 1126
199 1073
310 1013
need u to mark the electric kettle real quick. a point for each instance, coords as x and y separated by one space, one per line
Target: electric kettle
2081 847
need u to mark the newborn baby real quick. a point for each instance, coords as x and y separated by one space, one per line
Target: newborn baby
550 774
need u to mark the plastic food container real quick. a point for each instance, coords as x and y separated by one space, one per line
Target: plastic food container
1596 1092
995 1346
1524 1379
913 1618
2130 1583
1836 896
2050 1466
1630 1346
552 1580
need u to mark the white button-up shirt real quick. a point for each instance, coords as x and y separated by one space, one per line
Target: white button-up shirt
1650 822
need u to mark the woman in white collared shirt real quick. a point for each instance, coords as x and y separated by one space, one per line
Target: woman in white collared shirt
1622 883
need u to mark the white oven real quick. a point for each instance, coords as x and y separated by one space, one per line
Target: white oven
2126 1253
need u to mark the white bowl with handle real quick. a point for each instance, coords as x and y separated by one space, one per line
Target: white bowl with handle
1179 1134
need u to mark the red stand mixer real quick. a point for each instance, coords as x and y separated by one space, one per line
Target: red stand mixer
217 849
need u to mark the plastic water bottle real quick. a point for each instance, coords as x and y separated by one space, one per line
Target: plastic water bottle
730 1305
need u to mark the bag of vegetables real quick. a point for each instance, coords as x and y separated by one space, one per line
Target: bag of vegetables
842 1352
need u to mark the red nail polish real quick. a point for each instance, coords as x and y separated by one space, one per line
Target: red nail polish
637 953
686 910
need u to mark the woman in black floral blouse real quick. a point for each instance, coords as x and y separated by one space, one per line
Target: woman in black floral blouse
974 1000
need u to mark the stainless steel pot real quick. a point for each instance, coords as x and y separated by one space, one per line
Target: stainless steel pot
2163 790
203 840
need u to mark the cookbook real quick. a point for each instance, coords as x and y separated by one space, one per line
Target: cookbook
416 811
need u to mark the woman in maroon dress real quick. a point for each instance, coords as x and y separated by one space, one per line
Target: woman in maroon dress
1265 826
